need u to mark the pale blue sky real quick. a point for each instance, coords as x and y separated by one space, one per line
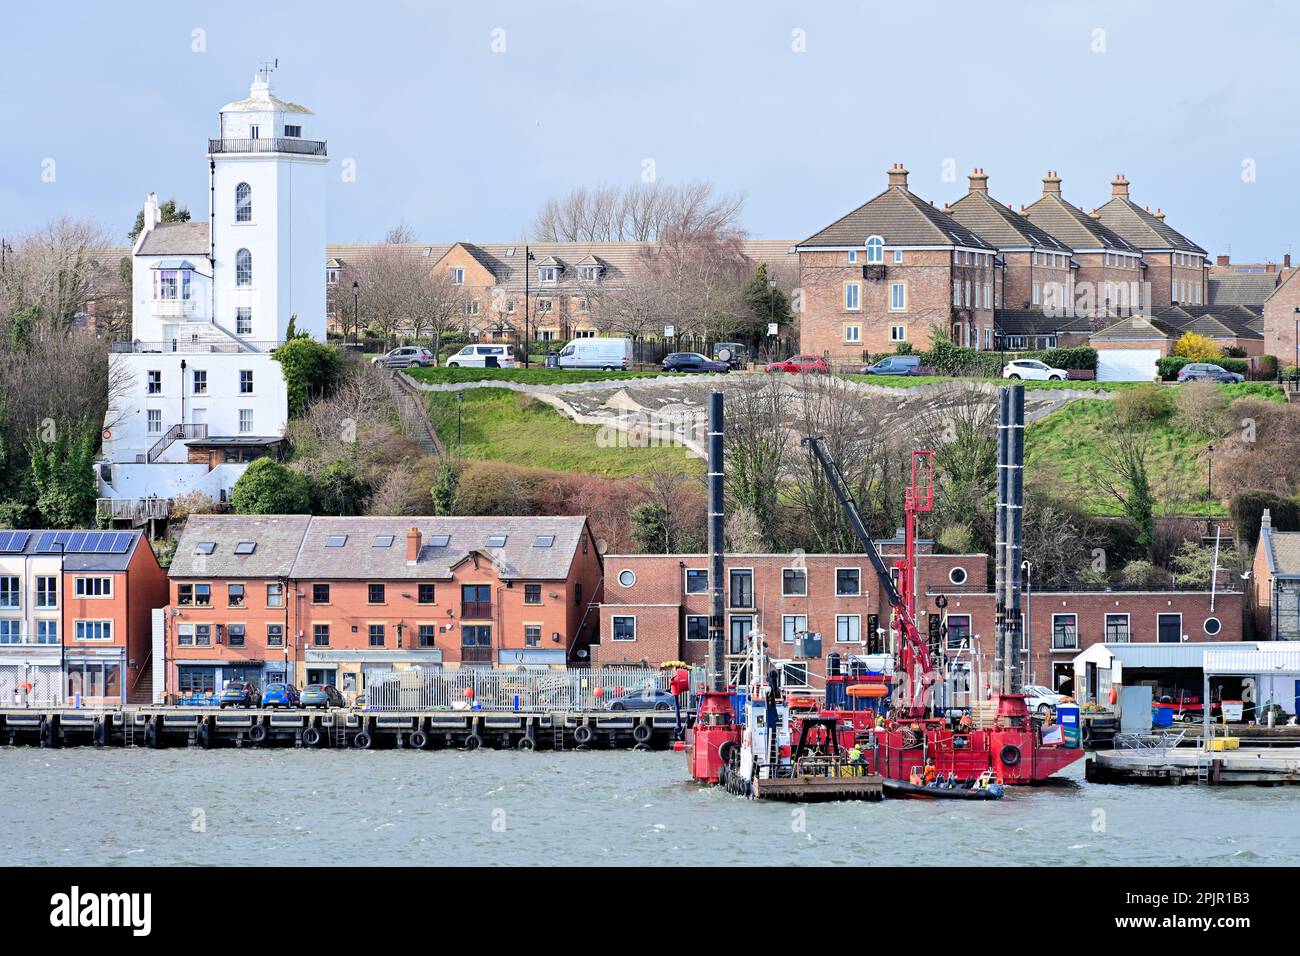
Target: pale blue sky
464 143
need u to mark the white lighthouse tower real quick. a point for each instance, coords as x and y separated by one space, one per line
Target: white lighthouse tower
196 392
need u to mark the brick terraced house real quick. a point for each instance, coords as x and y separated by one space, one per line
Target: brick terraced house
75 609
885 273
1175 269
656 609
323 600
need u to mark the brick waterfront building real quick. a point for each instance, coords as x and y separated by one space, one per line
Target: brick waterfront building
656 609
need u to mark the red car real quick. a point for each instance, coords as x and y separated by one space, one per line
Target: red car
798 364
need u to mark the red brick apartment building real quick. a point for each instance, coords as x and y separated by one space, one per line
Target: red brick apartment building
1056 274
656 609
323 600
75 610
886 272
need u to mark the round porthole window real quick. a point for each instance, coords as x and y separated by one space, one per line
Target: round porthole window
957 575
1212 626
626 578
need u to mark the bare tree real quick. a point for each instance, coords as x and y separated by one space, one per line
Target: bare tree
758 441
61 269
435 305
640 213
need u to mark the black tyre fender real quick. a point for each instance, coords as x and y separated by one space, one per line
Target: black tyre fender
362 741
204 736
100 736
642 733
473 741
152 738
526 744
311 737
583 734
725 750
418 739
258 733
1009 755
47 732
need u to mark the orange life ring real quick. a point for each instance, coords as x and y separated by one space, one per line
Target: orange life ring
1113 695
107 434
26 687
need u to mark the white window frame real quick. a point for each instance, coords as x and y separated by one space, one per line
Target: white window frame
897 290
838 592
457 276
784 592
93 586
898 256
243 268
852 333
948 641
1065 647
82 629
1177 614
613 628
856 288
686 633
898 332
153 421
875 250
785 619
244 320
857 618
686 577
853 256
1105 627
245 427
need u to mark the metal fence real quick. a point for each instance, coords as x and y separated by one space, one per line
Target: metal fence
24 685
434 688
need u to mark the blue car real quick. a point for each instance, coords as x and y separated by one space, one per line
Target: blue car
321 695
240 693
280 695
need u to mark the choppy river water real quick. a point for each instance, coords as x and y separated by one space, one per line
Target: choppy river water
267 807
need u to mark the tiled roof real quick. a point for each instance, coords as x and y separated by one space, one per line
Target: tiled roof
1035 322
1134 328
1284 551
1073 226
505 259
1214 321
1001 226
519 557
276 537
901 219
1141 229
176 239
1241 288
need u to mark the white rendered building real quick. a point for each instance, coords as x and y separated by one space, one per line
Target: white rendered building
197 392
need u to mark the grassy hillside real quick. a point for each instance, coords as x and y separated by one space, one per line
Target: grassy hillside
502 425
1065 443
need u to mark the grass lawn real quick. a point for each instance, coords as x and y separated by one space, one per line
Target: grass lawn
531 376
502 425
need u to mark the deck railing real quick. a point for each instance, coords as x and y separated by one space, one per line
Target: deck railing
283 144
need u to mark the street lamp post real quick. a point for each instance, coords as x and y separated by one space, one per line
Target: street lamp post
356 310
528 258
460 403
1209 491
63 647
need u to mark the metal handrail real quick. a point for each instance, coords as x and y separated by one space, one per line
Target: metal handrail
175 433
181 345
286 144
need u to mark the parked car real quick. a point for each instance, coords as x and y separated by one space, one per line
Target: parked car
693 362
800 364
1032 370
240 693
734 354
483 356
894 365
1042 700
405 357
321 695
642 698
603 353
280 695
1210 372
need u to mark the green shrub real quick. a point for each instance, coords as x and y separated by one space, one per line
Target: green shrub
269 488
310 370
947 358
1268 366
1146 403
1248 511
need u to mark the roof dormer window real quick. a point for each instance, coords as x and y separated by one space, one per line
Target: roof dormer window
875 251
548 275
590 273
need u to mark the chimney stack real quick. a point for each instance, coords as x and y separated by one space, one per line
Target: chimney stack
1266 520
979 181
152 212
1051 184
1160 214
1286 261
1119 186
898 175
1221 260
413 541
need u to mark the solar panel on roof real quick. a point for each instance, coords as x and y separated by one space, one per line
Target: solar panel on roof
123 543
91 544
11 542
77 542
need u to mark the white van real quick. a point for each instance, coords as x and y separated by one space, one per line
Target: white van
608 354
482 356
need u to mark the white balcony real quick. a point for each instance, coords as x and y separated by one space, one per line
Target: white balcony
174 308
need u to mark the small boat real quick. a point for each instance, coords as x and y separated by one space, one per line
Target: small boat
984 788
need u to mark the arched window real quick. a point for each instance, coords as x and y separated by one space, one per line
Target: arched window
243 203
243 267
875 250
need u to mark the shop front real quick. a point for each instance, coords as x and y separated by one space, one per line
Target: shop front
95 677
347 669
200 682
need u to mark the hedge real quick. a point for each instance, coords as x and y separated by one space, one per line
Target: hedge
949 359
1171 365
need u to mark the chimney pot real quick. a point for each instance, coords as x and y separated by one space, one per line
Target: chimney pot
898 175
413 541
979 182
1119 186
1051 184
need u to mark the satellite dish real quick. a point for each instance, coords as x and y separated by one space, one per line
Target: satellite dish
601 545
